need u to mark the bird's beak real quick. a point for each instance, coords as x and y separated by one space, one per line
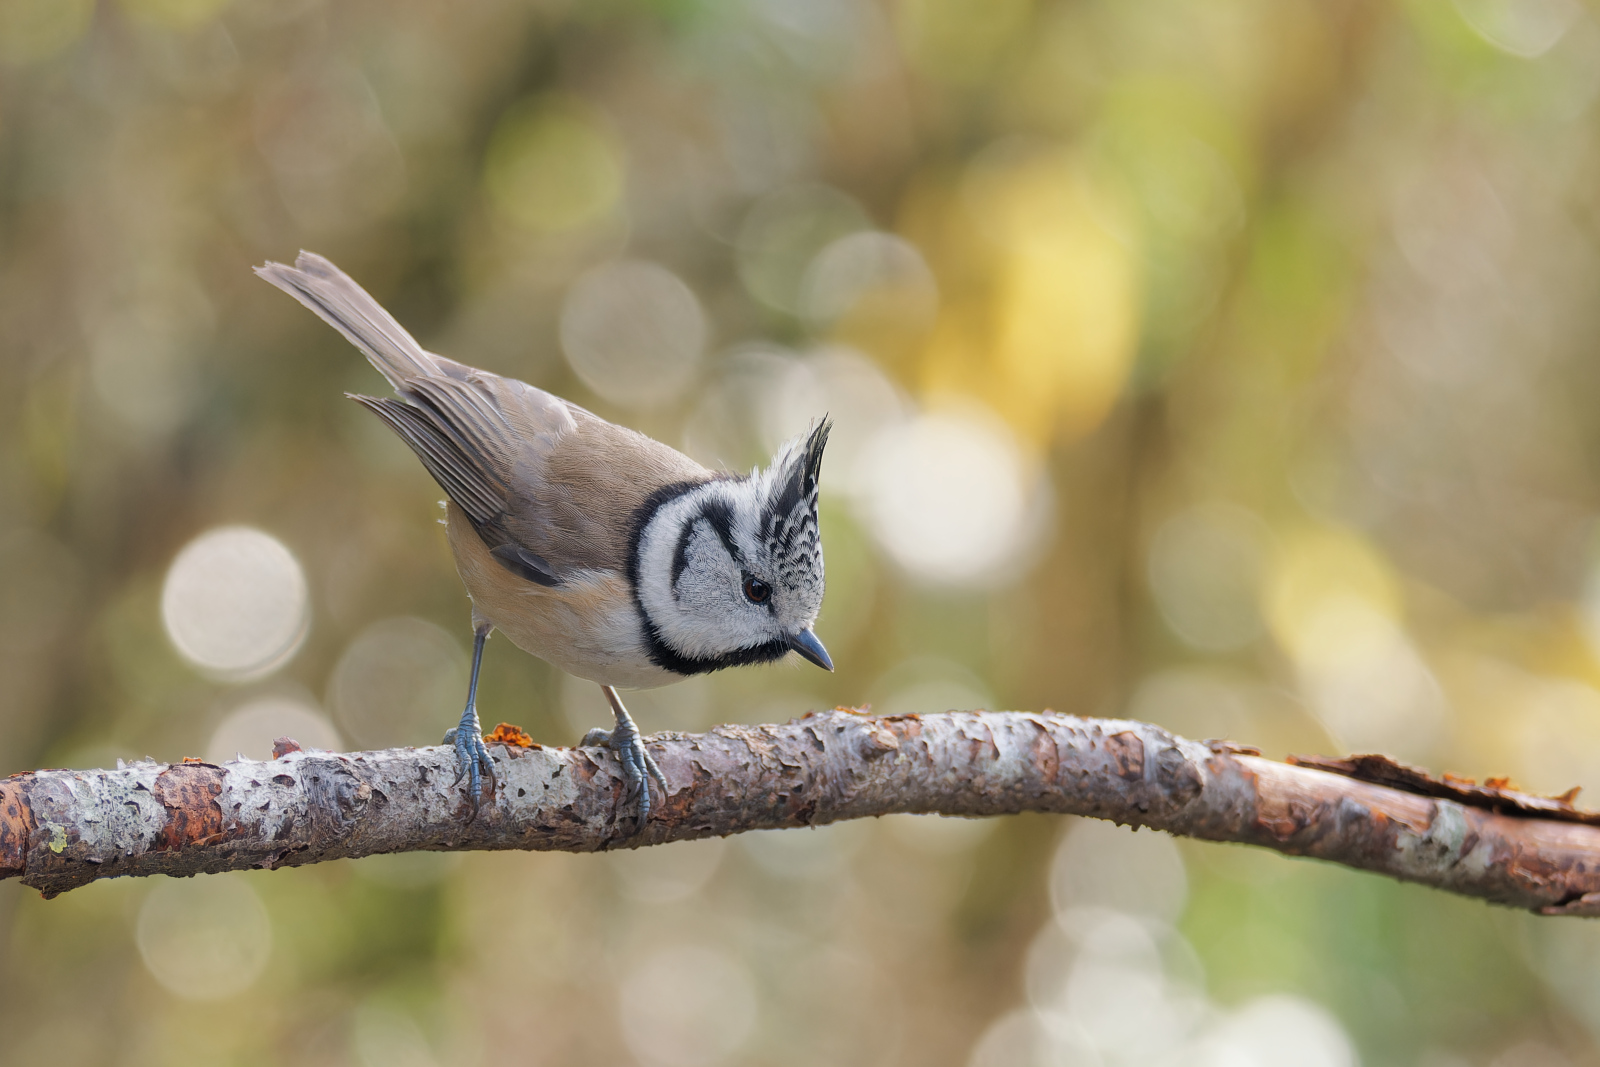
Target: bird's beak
805 642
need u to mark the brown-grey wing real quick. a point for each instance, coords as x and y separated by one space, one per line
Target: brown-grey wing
481 437
485 439
550 487
575 496
479 491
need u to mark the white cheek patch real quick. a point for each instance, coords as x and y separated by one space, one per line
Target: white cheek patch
713 616
704 612
708 575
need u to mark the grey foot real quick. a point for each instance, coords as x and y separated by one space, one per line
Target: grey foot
472 756
638 766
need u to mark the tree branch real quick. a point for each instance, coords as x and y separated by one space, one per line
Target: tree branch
63 829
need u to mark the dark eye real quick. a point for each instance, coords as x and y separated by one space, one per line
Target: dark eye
758 591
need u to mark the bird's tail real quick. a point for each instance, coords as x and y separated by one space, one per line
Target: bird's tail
347 307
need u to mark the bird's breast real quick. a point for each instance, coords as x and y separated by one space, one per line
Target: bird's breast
587 625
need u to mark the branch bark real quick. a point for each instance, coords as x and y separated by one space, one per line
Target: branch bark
62 829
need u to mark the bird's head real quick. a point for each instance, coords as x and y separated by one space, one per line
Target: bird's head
729 572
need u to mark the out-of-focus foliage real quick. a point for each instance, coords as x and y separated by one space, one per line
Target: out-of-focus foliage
1222 363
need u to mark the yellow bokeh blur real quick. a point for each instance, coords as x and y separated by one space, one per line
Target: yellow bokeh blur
174 14
1048 334
1066 301
1324 591
552 164
32 31
959 40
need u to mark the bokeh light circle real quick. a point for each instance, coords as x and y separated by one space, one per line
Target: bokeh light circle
685 1007
1262 1029
634 332
1026 1038
847 386
782 235
553 164
206 938
949 497
402 681
235 603
1205 569
673 872
385 1034
819 854
878 273
250 729
1102 865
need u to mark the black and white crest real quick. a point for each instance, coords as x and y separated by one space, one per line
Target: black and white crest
729 572
788 526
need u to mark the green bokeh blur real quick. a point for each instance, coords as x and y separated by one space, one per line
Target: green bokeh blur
1226 364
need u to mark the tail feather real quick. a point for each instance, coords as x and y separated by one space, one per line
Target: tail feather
347 307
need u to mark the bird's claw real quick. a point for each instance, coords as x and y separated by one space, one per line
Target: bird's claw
472 755
638 766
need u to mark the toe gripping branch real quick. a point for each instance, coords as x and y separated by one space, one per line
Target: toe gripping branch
472 755
638 766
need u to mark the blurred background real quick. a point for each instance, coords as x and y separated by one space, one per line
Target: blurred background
1227 364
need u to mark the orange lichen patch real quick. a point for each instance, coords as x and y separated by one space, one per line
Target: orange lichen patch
16 824
507 734
1496 794
188 791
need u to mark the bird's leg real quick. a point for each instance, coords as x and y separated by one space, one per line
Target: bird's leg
472 757
637 763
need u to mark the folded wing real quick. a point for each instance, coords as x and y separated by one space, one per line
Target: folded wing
550 487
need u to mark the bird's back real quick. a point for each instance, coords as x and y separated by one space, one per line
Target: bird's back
575 500
549 487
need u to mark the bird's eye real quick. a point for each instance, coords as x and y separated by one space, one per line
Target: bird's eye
758 591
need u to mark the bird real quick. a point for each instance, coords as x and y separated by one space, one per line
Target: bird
596 548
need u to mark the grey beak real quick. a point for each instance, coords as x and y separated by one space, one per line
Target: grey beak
805 642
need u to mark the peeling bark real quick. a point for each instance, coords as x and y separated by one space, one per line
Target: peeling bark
63 829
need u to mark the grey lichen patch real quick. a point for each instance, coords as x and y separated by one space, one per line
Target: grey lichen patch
96 817
1478 860
129 813
531 785
1012 747
1432 854
265 797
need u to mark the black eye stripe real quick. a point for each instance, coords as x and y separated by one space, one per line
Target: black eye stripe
680 555
720 517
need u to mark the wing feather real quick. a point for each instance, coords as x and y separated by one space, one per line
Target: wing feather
480 494
550 487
